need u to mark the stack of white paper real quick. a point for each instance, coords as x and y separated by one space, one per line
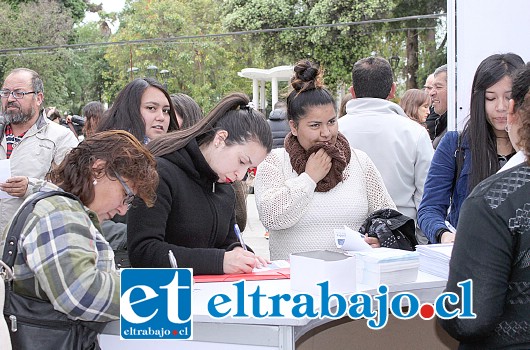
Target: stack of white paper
308 269
388 266
434 258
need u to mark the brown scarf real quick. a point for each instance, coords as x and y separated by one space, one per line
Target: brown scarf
340 153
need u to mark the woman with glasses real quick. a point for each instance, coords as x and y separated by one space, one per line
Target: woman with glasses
194 214
62 257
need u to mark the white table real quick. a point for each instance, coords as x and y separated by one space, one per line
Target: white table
253 333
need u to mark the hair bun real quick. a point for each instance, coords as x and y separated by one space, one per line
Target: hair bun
307 76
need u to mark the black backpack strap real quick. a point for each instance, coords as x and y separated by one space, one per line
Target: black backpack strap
13 235
459 162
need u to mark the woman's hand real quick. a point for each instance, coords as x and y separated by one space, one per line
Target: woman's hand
447 237
318 165
372 241
240 261
261 262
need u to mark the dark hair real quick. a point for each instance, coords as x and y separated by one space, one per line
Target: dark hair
123 154
308 90
521 99
232 114
54 115
478 131
187 108
124 114
372 77
93 112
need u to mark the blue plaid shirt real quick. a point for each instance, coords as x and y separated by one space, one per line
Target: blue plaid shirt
62 257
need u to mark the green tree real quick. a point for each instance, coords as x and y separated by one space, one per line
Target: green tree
422 55
336 48
36 24
204 68
77 8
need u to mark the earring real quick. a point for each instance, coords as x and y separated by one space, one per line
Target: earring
507 127
95 182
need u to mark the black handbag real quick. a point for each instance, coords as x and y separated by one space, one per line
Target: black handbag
34 323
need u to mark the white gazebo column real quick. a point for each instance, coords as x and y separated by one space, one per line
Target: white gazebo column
255 92
262 97
274 91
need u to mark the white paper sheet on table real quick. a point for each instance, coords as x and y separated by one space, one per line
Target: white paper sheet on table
350 240
274 265
5 173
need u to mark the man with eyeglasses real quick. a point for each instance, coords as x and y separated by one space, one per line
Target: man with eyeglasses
31 142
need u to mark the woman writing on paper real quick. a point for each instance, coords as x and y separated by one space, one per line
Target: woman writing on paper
493 247
194 215
317 183
62 257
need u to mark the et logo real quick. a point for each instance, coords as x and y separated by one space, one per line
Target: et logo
156 304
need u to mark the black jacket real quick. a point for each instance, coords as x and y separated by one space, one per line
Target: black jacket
393 229
279 127
193 216
436 124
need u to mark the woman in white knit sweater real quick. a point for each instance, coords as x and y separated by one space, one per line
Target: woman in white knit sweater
317 183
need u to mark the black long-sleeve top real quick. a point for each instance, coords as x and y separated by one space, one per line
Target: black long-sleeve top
193 216
492 248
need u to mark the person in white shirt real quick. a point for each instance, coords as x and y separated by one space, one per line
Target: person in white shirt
399 147
317 183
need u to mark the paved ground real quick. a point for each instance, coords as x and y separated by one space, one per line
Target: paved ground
254 231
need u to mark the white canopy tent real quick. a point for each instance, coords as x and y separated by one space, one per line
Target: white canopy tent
260 77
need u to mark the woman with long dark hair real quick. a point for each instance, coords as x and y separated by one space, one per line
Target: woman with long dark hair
493 249
461 161
143 108
194 215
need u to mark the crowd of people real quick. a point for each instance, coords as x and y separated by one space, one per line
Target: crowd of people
154 177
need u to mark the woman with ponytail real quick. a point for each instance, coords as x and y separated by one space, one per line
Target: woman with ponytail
194 214
317 183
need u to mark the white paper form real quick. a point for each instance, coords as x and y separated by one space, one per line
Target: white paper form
5 173
274 265
350 240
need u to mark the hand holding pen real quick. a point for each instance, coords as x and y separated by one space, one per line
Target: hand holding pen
241 260
239 236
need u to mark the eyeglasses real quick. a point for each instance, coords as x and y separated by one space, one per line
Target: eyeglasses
129 193
16 94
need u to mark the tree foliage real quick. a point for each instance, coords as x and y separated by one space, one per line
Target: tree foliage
77 8
336 48
206 69
35 24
